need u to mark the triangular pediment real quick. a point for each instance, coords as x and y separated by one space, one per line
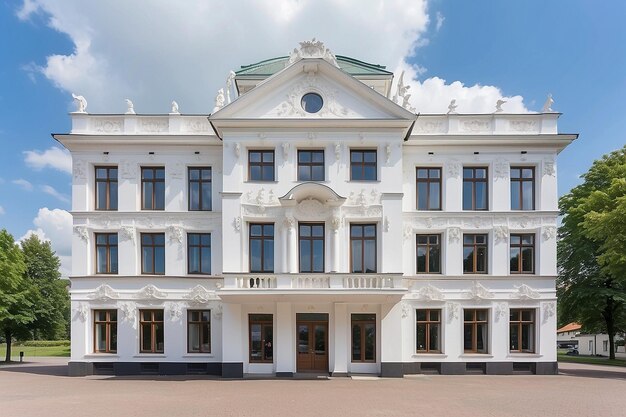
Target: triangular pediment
344 97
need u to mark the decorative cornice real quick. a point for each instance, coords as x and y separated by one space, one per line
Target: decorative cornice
150 292
478 292
524 292
200 295
103 293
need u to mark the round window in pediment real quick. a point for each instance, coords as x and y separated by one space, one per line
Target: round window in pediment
312 102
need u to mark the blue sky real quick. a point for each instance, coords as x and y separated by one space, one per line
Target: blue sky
572 49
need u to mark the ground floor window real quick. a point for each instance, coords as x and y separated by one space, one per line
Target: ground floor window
151 328
475 330
261 338
522 330
605 345
199 331
364 338
105 331
428 330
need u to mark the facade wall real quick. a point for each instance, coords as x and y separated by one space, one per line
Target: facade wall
392 294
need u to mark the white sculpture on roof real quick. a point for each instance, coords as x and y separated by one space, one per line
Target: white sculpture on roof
402 92
81 103
131 107
499 104
547 106
313 49
452 106
229 85
174 109
220 100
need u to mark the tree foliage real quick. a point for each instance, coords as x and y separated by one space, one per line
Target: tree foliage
51 306
592 249
15 292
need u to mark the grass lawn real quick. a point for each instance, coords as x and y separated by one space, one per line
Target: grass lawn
33 351
591 360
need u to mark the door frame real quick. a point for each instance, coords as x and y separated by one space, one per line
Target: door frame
312 324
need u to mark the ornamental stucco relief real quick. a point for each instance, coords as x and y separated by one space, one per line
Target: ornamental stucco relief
524 292
103 293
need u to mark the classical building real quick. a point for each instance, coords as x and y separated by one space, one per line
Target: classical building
313 222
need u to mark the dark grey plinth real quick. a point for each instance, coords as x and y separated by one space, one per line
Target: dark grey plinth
546 368
79 368
499 368
232 370
391 369
452 368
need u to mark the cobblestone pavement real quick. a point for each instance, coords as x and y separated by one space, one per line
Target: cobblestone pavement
42 389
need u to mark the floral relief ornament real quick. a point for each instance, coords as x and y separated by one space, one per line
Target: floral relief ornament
82 232
549 232
454 234
128 233
501 233
502 311
78 169
81 311
453 311
548 168
454 168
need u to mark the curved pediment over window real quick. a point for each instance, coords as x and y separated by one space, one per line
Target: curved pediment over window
312 191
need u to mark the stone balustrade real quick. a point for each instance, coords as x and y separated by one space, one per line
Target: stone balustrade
441 124
322 282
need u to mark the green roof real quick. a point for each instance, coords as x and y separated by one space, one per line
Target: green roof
351 66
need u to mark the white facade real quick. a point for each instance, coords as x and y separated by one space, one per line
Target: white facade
356 115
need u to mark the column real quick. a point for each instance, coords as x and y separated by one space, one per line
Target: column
284 339
341 328
292 245
232 343
335 256
391 340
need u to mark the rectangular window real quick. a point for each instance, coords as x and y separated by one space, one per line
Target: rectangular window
311 165
153 253
261 338
261 165
475 188
199 253
475 254
522 258
363 248
311 247
105 331
106 253
522 188
428 188
106 188
363 337
605 345
200 189
429 254
428 330
153 188
151 331
199 331
363 165
522 330
261 247
475 330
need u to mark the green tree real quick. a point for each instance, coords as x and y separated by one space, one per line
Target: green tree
15 294
51 306
592 249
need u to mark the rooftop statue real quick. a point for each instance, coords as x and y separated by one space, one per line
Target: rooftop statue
499 104
229 84
220 100
174 109
402 92
131 107
452 106
313 49
81 103
547 106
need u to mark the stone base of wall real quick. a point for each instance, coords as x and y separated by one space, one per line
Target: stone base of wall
399 369
224 370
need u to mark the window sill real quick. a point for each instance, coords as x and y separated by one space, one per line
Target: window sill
101 355
198 355
524 355
150 355
260 182
476 355
430 355
365 181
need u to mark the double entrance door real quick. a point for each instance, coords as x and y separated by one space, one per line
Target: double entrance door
312 342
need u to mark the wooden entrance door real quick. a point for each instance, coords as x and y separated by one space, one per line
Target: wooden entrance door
312 345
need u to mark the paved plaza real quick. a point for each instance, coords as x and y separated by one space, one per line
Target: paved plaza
42 389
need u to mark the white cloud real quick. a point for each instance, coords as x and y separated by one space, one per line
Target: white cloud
54 193
26 185
161 50
2 210
53 157
433 95
55 226
439 21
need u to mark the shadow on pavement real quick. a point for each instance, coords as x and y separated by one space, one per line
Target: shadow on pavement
26 368
594 373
